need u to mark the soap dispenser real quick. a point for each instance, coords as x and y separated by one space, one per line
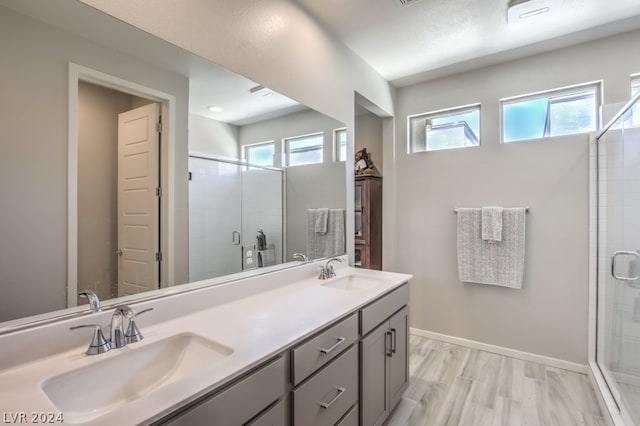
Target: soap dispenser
262 240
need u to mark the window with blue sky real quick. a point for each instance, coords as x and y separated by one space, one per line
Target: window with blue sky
445 129
340 143
554 113
260 154
635 113
303 150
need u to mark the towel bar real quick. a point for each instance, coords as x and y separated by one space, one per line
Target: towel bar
526 209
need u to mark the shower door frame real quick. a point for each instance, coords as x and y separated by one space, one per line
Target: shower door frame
608 404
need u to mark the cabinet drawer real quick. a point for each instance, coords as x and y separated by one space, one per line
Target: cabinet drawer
351 418
322 348
274 416
327 395
241 401
383 308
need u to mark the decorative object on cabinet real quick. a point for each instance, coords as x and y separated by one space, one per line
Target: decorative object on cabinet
364 165
368 222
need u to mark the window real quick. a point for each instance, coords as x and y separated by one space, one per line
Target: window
260 154
340 144
302 150
635 111
554 113
445 129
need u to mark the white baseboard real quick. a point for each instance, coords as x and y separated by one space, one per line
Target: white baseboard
500 350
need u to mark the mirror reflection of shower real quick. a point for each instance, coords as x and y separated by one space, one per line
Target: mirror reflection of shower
235 217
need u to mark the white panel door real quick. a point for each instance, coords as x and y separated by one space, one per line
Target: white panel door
138 203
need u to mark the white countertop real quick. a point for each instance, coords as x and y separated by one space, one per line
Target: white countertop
256 327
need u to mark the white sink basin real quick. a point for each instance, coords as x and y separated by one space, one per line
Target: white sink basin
352 282
130 373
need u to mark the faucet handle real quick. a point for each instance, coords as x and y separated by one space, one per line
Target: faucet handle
94 301
133 334
98 343
323 273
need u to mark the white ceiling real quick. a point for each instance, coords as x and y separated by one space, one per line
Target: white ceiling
430 38
209 83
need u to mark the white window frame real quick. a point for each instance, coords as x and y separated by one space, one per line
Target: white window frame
443 113
286 151
336 143
247 147
567 91
634 81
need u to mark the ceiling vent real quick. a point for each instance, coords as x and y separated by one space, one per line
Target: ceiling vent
262 91
529 11
406 2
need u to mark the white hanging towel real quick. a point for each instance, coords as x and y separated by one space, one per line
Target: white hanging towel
492 224
500 263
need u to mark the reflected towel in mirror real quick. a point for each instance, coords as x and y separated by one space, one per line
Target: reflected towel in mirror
332 242
322 219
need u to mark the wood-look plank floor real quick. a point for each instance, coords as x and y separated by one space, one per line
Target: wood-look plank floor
454 385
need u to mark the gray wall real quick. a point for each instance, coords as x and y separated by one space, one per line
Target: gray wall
308 186
33 164
548 316
208 137
368 134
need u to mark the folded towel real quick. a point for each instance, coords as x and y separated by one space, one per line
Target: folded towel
492 224
499 264
331 243
322 217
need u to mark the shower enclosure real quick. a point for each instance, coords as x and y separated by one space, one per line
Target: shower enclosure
615 362
229 203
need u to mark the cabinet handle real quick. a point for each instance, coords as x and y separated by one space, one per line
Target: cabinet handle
394 341
326 405
387 346
335 345
235 234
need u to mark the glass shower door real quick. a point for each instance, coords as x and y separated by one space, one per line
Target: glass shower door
618 307
215 218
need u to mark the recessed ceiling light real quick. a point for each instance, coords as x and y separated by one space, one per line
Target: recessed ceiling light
214 108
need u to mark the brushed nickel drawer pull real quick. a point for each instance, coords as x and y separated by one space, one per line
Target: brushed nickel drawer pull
394 341
335 345
326 405
387 344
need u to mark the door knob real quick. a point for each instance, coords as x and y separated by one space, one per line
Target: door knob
119 252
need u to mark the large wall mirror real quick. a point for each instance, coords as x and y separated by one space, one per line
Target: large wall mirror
129 165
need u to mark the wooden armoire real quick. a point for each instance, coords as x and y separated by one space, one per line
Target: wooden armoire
368 222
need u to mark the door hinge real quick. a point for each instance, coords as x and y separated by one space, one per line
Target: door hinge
158 191
158 256
159 127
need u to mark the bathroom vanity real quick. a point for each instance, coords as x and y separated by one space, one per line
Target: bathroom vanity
282 348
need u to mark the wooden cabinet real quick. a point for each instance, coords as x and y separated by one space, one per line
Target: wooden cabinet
353 372
368 222
328 395
384 362
324 371
253 396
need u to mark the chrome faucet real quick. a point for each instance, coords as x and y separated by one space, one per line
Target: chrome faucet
118 337
302 257
94 302
327 271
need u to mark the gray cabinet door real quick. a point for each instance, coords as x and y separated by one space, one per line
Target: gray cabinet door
398 362
374 401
